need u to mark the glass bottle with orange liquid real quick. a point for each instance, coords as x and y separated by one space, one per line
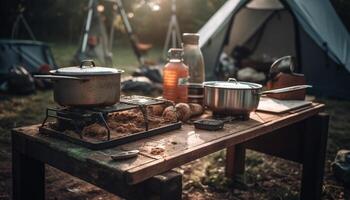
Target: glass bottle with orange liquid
175 77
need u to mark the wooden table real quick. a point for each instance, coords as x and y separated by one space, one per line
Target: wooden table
299 136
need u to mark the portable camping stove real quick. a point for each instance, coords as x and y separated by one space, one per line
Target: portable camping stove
76 118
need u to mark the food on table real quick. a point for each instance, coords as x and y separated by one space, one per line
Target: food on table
157 150
95 130
134 115
155 121
169 114
156 109
196 109
129 127
131 121
183 111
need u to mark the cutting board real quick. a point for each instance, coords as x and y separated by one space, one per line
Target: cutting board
280 106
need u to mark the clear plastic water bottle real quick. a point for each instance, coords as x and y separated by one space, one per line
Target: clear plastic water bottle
193 57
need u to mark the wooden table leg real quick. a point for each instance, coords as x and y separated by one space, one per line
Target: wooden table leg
28 177
166 186
314 151
235 163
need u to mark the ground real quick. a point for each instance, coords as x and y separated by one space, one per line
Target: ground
267 177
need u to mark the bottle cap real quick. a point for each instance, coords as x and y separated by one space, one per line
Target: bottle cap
175 53
190 38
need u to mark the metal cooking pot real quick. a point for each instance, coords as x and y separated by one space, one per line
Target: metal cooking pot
85 85
233 97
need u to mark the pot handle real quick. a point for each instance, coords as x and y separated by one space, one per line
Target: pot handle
286 89
53 77
92 63
232 80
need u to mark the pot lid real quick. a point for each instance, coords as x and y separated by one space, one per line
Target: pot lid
84 69
232 84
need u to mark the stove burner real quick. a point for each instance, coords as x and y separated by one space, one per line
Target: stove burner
76 118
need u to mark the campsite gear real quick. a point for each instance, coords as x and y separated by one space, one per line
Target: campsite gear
85 85
282 75
209 124
272 105
175 77
174 33
15 27
195 93
153 73
100 133
139 48
193 57
125 155
237 98
140 84
310 31
94 40
282 80
284 64
226 67
249 74
32 55
20 81
341 170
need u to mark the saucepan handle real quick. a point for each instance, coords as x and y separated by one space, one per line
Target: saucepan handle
286 89
54 77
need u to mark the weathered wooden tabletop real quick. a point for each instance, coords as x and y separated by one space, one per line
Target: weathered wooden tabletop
181 146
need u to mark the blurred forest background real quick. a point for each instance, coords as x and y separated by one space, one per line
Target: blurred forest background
63 20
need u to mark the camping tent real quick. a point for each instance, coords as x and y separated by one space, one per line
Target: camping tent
309 30
30 54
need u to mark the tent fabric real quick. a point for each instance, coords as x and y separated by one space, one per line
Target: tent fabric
267 33
30 54
321 22
316 17
219 20
265 4
245 24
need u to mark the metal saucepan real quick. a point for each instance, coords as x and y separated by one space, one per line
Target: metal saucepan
237 98
85 85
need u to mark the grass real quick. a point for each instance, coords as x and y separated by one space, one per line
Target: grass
123 56
267 177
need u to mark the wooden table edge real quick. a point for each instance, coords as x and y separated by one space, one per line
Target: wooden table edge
143 172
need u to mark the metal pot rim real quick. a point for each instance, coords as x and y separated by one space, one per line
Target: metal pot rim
235 86
84 73
83 70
